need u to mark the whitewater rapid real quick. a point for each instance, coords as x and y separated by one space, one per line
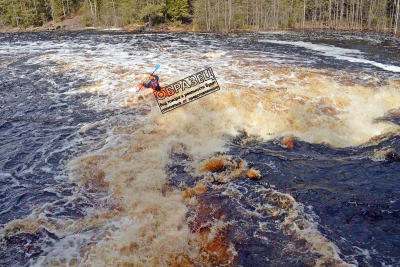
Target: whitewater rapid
122 165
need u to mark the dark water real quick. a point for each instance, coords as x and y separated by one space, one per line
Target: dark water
354 199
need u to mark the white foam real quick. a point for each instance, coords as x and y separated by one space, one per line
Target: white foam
338 53
129 157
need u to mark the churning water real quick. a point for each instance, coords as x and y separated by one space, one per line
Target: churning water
92 174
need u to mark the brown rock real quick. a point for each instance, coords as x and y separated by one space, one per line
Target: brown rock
214 165
289 142
253 174
198 189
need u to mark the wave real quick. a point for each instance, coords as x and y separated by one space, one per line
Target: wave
337 53
316 110
131 168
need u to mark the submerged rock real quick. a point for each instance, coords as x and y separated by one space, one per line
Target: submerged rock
221 169
198 189
386 155
254 174
288 142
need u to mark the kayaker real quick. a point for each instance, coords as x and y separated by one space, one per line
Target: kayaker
153 84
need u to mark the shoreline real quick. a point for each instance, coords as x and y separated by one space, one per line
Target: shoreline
75 24
162 31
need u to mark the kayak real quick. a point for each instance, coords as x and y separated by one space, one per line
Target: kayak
162 93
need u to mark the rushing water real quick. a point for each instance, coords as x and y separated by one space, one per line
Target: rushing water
90 169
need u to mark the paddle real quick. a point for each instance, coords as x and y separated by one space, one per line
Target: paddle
158 66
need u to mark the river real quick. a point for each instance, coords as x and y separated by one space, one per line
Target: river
92 174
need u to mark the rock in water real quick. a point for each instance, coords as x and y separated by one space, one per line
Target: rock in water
254 174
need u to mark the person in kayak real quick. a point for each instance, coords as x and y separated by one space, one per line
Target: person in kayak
153 84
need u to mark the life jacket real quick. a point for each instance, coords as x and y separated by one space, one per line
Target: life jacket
154 84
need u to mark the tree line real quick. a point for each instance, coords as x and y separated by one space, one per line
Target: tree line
24 13
211 15
228 15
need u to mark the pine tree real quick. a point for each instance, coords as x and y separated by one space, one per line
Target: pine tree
178 9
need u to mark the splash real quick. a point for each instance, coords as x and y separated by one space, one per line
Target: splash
311 107
261 101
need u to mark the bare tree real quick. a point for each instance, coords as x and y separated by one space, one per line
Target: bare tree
91 7
114 12
15 13
230 15
396 23
62 3
304 13
226 15
330 12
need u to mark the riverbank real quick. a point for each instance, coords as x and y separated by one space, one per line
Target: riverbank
77 23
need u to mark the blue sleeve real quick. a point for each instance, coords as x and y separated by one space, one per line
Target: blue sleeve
155 76
147 85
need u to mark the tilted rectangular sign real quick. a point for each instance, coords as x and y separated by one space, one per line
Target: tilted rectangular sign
186 90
